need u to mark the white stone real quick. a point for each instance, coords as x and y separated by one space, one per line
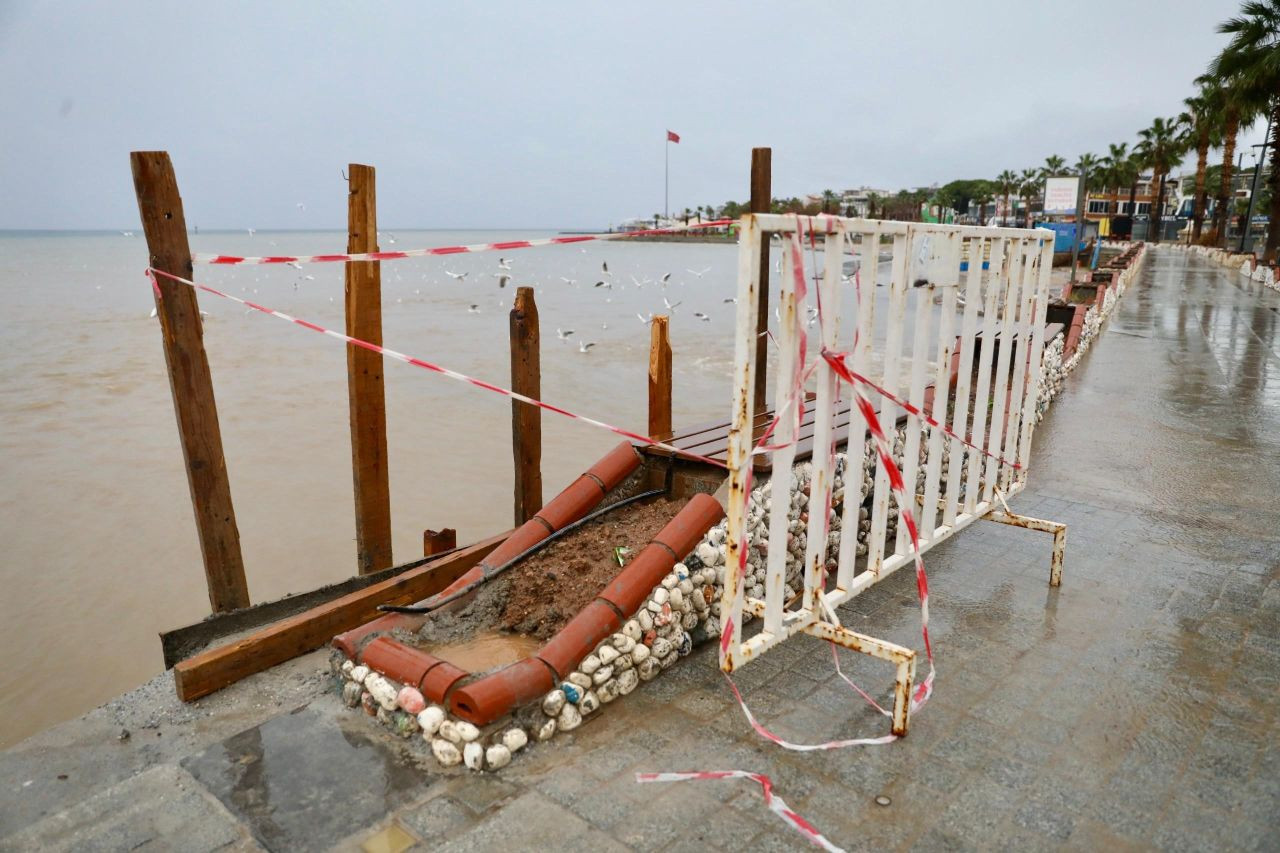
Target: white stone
624 643
346 668
685 587
359 673
645 618
382 690
570 718
670 659
473 755
661 647
608 691
624 661
607 655
590 664
546 730
653 608
707 553
467 731
590 702
627 682
648 669
580 679
497 756
448 730
430 718
690 621
670 581
602 675
633 630
553 702
445 752
514 739
639 653
660 597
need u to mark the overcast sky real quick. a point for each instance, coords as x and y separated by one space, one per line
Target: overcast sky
554 114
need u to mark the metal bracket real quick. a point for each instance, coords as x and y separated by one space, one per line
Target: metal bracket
1058 530
902 658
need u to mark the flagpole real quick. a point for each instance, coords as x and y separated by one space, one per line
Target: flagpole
666 175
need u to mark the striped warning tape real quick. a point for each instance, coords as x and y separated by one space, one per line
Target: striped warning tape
510 245
775 803
427 365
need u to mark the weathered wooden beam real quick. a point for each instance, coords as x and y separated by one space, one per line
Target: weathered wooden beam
526 420
660 379
214 669
761 201
190 383
439 541
364 377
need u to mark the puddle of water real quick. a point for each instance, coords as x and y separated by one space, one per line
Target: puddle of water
487 650
302 780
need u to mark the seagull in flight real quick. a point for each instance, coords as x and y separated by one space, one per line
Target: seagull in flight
670 306
568 280
504 264
301 206
502 278
731 299
473 309
251 231
603 283
704 271
604 268
586 345
703 317
644 319
665 278
295 265
563 334
126 233
458 275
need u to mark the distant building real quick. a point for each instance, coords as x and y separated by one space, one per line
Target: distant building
858 201
1104 202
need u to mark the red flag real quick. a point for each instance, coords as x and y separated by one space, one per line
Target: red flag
673 137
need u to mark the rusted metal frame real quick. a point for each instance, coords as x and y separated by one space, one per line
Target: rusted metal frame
903 659
1037 355
997 277
1058 530
924 268
1026 327
786 401
964 377
949 274
738 453
889 410
855 442
1000 383
823 455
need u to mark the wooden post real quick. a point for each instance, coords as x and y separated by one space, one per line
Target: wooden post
526 420
761 200
438 541
189 381
364 377
659 379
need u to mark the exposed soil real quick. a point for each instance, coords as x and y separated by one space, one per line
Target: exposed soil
538 596
549 588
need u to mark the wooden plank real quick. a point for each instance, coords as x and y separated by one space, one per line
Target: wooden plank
660 378
190 383
761 200
438 541
526 420
214 669
364 377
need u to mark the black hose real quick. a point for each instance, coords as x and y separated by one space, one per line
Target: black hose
490 574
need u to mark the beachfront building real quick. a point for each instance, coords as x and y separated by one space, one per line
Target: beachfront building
1105 202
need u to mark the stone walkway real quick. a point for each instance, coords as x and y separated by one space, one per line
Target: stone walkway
1136 707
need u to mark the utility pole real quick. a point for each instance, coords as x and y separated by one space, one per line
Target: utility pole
1080 202
1246 236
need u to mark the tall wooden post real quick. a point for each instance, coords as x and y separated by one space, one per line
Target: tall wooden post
659 379
761 200
364 377
189 381
526 420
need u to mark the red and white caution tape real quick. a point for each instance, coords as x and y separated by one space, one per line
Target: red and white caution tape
772 800
426 365
510 245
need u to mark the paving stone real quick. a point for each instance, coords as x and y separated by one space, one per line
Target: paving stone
532 822
435 819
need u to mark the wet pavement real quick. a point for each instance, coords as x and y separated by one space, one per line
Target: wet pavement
1133 708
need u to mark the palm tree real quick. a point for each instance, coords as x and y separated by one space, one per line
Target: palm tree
1252 60
1006 183
872 198
1237 109
1204 117
1029 185
1053 166
1115 168
1162 146
828 198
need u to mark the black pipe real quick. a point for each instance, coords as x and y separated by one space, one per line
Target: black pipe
490 574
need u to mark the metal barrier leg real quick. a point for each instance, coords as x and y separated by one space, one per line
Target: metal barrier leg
902 696
1058 530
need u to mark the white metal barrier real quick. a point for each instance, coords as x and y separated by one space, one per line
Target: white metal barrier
994 282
